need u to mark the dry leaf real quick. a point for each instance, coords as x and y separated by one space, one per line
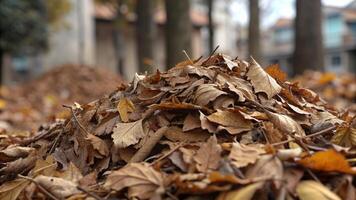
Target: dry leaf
126 134
312 190
124 107
57 186
11 190
261 81
98 144
208 156
141 180
207 93
241 155
327 161
14 152
275 71
245 193
345 136
191 122
232 121
286 124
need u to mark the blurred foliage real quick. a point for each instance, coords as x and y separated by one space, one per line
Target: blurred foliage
23 25
56 10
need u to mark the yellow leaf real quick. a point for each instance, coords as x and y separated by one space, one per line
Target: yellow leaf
326 78
124 107
345 136
312 190
245 193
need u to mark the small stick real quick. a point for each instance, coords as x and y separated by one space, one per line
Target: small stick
185 53
89 193
76 119
146 149
39 186
168 153
308 136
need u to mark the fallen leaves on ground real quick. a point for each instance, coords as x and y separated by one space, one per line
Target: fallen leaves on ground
212 128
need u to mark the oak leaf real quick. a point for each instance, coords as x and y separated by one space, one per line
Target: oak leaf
126 134
142 181
327 161
208 156
311 190
124 107
262 81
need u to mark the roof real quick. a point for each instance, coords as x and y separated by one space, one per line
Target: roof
108 12
283 22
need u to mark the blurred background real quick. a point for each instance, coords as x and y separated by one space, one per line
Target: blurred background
127 36
55 52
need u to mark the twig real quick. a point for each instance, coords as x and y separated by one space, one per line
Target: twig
168 153
89 193
44 190
308 136
185 53
151 142
76 119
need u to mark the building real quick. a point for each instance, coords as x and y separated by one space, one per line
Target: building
339 37
89 38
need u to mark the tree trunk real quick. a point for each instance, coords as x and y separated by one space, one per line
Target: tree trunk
254 47
308 53
1 65
178 31
211 25
145 33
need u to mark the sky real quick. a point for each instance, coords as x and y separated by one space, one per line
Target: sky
271 10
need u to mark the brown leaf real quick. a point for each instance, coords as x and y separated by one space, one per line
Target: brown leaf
328 161
261 81
57 186
98 144
126 134
231 120
11 190
208 155
241 155
142 181
14 152
345 136
312 190
267 166
207 93
191 122
124 107
285 124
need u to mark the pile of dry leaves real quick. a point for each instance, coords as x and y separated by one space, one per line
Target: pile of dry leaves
338 90
27 106
206 129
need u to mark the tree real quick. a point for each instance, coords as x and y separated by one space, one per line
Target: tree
308 53
254 47
23 27
145 32
178 31
210 25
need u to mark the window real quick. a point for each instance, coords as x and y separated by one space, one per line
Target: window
335 60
